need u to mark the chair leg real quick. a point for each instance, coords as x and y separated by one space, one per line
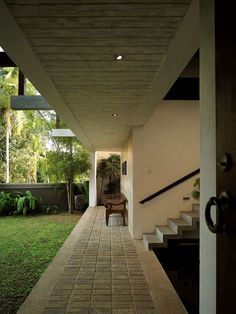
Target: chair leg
107 218
123 219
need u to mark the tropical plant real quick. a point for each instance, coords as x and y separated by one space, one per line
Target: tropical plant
113 170
26 204
7 203
109 168
82 188
196 192
23 134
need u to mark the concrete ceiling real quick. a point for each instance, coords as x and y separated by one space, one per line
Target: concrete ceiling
75 43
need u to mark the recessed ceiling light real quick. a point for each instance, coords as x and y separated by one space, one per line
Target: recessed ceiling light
119 57
114 115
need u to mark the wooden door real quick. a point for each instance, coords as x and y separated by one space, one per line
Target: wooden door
225 47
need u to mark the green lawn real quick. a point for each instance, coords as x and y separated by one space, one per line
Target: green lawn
27 246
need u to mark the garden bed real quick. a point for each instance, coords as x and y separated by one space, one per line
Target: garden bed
27 246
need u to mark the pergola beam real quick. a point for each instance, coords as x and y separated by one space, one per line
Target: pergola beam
62 133
21 83
29 103
5 61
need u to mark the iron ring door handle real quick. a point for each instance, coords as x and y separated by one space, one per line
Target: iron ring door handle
219 224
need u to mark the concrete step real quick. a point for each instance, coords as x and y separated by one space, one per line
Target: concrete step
165 232
190 217
179 225
151 241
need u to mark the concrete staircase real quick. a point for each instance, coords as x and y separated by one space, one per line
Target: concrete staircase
184 227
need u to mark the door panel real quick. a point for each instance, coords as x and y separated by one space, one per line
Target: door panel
225 37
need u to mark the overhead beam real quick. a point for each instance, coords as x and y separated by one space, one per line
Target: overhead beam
21 83
5 61
19 50
29 103
62 133
181 50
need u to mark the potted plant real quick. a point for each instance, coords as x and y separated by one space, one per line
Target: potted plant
196 192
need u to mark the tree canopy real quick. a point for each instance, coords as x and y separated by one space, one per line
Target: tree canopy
33 155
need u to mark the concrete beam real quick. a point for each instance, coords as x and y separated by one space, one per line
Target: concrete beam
62 133
19 50
29 103
5 61
182 49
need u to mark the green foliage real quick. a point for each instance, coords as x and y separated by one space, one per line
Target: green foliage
68 162
196 192
27 129
34 156
109 168
26 204
83 189
15 204
7 203
50 210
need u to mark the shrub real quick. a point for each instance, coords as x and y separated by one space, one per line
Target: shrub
50 210
27 204
83 189
8 203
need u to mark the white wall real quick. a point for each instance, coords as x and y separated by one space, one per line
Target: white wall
92 180
208 155
127 180
164 150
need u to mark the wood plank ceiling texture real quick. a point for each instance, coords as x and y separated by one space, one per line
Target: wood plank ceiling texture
77 41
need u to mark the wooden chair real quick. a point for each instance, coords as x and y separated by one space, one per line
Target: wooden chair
116 206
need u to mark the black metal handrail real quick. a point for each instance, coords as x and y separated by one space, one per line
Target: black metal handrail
170 186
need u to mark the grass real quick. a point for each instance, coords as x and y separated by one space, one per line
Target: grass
27 246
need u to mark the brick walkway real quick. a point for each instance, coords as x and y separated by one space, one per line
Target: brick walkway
103 274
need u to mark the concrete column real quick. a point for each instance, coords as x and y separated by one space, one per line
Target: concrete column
92 181
208 154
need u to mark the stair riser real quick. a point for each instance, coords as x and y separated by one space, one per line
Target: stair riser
159 234
186 218
146 243
150 245
180 229
172 225
196 207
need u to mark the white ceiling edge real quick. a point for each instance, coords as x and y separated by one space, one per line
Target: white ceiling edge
180 52
15 44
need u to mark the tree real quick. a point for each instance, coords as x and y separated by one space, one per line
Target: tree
8 85
23 134
67 162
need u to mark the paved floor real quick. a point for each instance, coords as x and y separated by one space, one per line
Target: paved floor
101 269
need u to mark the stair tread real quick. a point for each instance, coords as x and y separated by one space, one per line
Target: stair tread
193 213
166 230
180 222
152 238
